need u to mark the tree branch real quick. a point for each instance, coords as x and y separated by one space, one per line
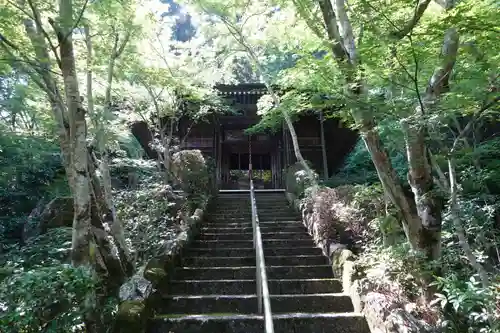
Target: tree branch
420 9
38 22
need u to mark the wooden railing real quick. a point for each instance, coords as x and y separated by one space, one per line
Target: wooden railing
263 299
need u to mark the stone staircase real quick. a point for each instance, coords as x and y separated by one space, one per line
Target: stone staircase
215 290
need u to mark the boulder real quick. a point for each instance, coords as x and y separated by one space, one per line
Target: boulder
136 288
155 271
130 317
57 213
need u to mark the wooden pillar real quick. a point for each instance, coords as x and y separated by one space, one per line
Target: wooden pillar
285 146
279 173
323 146
219 157
273 171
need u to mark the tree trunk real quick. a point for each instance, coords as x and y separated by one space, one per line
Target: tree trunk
428 202
421 216
105 198
82 239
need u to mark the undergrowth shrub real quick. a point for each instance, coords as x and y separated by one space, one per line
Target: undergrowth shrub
51 299
191 171
358 167
386 258
51 248
30 170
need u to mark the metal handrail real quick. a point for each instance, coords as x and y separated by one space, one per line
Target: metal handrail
263 299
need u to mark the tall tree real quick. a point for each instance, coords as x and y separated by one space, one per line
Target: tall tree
51 55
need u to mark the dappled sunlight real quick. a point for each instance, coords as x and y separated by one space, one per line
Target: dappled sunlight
249 166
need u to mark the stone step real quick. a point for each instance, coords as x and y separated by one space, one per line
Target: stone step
248 272
200 304
248 209
249 236
283 323
248 252
211 287
275 202
288 260
319 323
222 243
267 243
237 287
217 323
304 286
263 229
262 218
311 303
273 217
263 224
299 272
273 243
215 273
212 261
235 203
262 215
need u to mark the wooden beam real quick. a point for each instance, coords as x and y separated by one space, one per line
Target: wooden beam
323 145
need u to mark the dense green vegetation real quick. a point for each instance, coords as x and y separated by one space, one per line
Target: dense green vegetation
419 82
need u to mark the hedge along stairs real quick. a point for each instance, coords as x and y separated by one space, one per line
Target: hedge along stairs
214 290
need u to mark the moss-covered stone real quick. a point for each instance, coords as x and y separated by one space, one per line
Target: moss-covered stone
155 271
131 317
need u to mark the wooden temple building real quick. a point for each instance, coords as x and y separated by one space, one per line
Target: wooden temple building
323 143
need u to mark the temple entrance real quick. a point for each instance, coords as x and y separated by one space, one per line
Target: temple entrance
239 152
239 171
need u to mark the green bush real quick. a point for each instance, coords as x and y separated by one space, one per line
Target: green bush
51 248
358 167
30 169
191 171
49 299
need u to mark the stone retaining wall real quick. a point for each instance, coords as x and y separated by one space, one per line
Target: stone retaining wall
137 295
382 313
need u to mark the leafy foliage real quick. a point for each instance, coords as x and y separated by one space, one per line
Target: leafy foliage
22 184
53 298
191 171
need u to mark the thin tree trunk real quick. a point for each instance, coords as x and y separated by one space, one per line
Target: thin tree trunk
82 238
106 203
459 229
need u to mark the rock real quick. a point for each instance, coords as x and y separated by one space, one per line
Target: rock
339 256
335 223
155 271
136 288
385 315
131 317
57 213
